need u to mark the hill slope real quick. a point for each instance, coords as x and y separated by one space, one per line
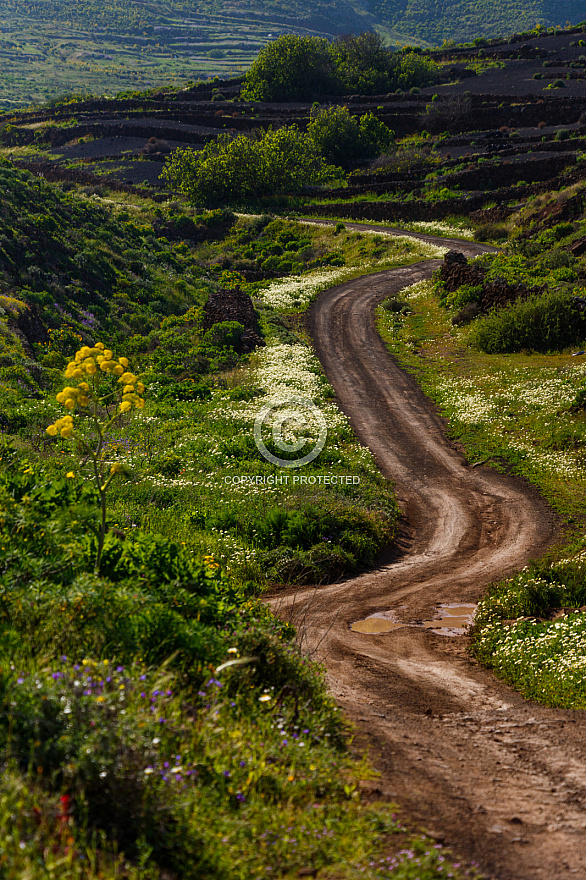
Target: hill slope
435 20
48 48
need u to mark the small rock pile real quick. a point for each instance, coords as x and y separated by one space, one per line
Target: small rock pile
456 271
234 305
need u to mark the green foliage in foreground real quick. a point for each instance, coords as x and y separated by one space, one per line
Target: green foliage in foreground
542 658
131 749
236 170
121 718
305 68
138 757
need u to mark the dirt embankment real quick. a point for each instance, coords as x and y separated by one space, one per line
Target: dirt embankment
501 780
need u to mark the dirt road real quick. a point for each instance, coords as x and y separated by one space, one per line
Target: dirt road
501 780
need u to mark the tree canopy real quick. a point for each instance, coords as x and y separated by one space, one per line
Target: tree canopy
344 139
305 68
232 171
291 69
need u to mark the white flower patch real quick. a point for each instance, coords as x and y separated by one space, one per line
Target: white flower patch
546 393
558 462
559 649
472 408
282 372
286 371
416 291
436 227
297 291
549 393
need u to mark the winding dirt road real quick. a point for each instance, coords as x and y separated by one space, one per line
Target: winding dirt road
501 780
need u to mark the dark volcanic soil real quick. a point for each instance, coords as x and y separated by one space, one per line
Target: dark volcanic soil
501 780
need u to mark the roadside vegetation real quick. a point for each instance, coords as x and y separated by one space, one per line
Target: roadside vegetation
499 344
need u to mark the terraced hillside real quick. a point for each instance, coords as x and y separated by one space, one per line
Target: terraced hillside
506 121
51 48
465 20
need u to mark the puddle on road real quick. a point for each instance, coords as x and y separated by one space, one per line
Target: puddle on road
381 622
452 620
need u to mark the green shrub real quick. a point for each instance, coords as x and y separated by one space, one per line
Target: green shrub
580 399
549 322
343 140
562 230
233 170
291 68
466 293
302 68
491 232
186 390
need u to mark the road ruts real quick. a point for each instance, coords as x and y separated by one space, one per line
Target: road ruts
501 780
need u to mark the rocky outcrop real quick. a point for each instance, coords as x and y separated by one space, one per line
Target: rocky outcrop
456 271
234 305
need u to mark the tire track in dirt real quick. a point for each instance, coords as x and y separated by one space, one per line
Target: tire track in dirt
501 780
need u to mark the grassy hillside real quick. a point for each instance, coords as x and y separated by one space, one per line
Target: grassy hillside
465 20
50 48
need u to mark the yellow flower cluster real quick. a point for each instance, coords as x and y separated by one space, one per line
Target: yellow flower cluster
70 396
131 391
63 426
85 365
89 360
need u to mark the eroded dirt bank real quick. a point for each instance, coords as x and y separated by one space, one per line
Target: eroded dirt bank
501 780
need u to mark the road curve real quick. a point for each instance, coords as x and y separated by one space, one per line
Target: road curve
501 780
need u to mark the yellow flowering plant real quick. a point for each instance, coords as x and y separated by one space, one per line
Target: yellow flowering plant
103 390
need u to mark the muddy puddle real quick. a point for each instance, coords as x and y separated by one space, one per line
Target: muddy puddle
451 620
381 622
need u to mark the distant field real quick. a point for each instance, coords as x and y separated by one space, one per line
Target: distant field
52 47
48 49
43 58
